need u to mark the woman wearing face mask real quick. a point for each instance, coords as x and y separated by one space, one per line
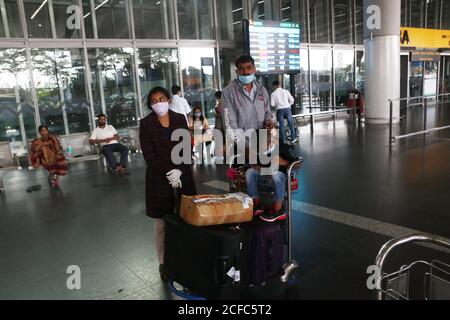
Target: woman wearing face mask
198 123
163 176
199 127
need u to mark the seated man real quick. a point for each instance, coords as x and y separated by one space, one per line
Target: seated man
108 138
287 154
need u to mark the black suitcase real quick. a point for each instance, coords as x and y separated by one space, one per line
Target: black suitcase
199 258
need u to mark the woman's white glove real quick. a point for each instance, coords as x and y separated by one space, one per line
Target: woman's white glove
176 184
173 176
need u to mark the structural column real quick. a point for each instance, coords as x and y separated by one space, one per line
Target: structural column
382 59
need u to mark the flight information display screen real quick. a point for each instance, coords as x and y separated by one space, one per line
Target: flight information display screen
274 45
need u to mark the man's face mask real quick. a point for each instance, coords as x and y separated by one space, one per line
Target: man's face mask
246 79
246 72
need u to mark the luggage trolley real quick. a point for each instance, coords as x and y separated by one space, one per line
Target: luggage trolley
237 183
401 285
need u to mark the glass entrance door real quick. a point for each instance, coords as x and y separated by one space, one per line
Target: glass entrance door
416 79
444 82
430 78
423 79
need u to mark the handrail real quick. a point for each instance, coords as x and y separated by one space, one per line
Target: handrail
424 104
420 97
302 115
312 115
393 243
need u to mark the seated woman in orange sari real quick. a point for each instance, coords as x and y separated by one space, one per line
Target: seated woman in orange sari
46 151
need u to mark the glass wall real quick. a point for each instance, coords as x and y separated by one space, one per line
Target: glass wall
67 15
9 20
320 19
114 86
416 79
445 21
199 78
156 67
343 75
195 19
433 12
444 86
296 11
230 15
343 21
112 75
87 19
112 19
59 80
227 67
17 122
153 19
37 14
359 20
260 12
415 13
360 71
321 76
430 78
302 81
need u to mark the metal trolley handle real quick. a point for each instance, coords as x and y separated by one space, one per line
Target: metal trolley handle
409 238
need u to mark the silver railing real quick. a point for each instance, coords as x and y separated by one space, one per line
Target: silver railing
333 112
424 104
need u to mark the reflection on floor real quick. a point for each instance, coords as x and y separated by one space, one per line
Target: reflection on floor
97 221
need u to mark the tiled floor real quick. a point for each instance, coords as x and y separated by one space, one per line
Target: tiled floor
97 221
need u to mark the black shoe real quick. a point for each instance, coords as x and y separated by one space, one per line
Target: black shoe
273 216
163 273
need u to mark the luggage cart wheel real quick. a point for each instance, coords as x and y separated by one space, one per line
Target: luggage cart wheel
290 272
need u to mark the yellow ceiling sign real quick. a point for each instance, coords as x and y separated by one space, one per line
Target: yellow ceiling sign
424 38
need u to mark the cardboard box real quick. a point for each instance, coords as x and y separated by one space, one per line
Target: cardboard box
208 210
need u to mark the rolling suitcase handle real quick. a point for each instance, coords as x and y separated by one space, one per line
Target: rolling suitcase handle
222 267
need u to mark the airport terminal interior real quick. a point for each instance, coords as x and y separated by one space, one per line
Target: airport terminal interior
373 169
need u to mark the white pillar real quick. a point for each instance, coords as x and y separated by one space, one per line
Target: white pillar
382 59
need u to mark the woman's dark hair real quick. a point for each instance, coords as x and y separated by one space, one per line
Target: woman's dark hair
218 95
202 118
162 90
42 127
244 58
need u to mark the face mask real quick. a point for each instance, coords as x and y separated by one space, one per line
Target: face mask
161 108
198 114
246 79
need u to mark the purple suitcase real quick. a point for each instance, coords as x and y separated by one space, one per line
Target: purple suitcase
266 250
